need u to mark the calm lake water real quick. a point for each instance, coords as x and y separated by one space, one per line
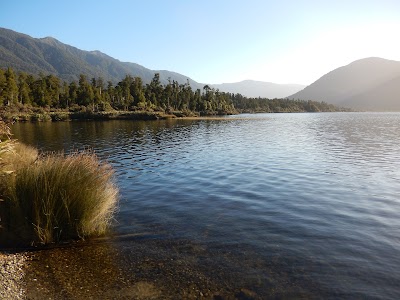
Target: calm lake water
293 204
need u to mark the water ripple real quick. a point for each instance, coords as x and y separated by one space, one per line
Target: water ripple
317 192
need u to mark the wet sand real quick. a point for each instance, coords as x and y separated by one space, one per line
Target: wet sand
146 269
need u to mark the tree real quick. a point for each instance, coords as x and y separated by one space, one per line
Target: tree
110 94
53 90
3 84
23 88
194 104
206 88
64 95
73 93
137 92
11 89
154 91
39 91
125 88
85 91
97 87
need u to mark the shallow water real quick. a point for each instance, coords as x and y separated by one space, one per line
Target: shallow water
284 205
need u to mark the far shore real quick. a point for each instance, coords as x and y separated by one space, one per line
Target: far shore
61 115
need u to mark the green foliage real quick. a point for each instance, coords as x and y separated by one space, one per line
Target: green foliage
85 95
11 88
131 94
3 84
243 104
50 56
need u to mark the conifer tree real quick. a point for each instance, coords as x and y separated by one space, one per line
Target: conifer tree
85 91
23 88
3 84
11 89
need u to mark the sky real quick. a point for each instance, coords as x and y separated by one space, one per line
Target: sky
219 41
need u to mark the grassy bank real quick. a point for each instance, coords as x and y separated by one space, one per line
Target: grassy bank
53 197
26 113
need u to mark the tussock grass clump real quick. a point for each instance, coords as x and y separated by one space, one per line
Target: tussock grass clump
13 156
54 197
66 197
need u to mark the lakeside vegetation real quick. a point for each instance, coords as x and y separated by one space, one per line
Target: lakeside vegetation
54 197
26 97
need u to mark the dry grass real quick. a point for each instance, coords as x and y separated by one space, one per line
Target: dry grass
13 154
66 197
52 198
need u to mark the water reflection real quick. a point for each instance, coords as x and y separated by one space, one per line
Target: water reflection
309 201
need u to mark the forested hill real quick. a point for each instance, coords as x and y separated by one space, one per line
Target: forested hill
51 57
25 95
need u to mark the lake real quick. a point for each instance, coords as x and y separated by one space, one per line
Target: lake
256 206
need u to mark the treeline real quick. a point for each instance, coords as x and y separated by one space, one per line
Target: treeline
254 105
131 94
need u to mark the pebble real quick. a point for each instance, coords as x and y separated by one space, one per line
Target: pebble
11 276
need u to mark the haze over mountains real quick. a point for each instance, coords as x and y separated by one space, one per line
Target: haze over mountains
366 84
252 88
371 84
50 56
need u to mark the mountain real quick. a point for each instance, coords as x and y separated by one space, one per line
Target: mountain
254 89
366 84
50 56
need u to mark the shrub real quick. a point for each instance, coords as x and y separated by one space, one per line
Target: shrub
37 117
23 117
59 116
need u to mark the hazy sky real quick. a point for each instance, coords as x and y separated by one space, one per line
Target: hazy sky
220 40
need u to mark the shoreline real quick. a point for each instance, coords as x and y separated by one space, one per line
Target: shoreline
12 284
41 115
145 268
103 270
56 116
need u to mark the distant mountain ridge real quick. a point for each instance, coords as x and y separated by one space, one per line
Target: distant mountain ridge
366 84
50 56
254 89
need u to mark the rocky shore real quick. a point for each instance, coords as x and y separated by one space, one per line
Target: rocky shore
139 268
12 275
145 270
